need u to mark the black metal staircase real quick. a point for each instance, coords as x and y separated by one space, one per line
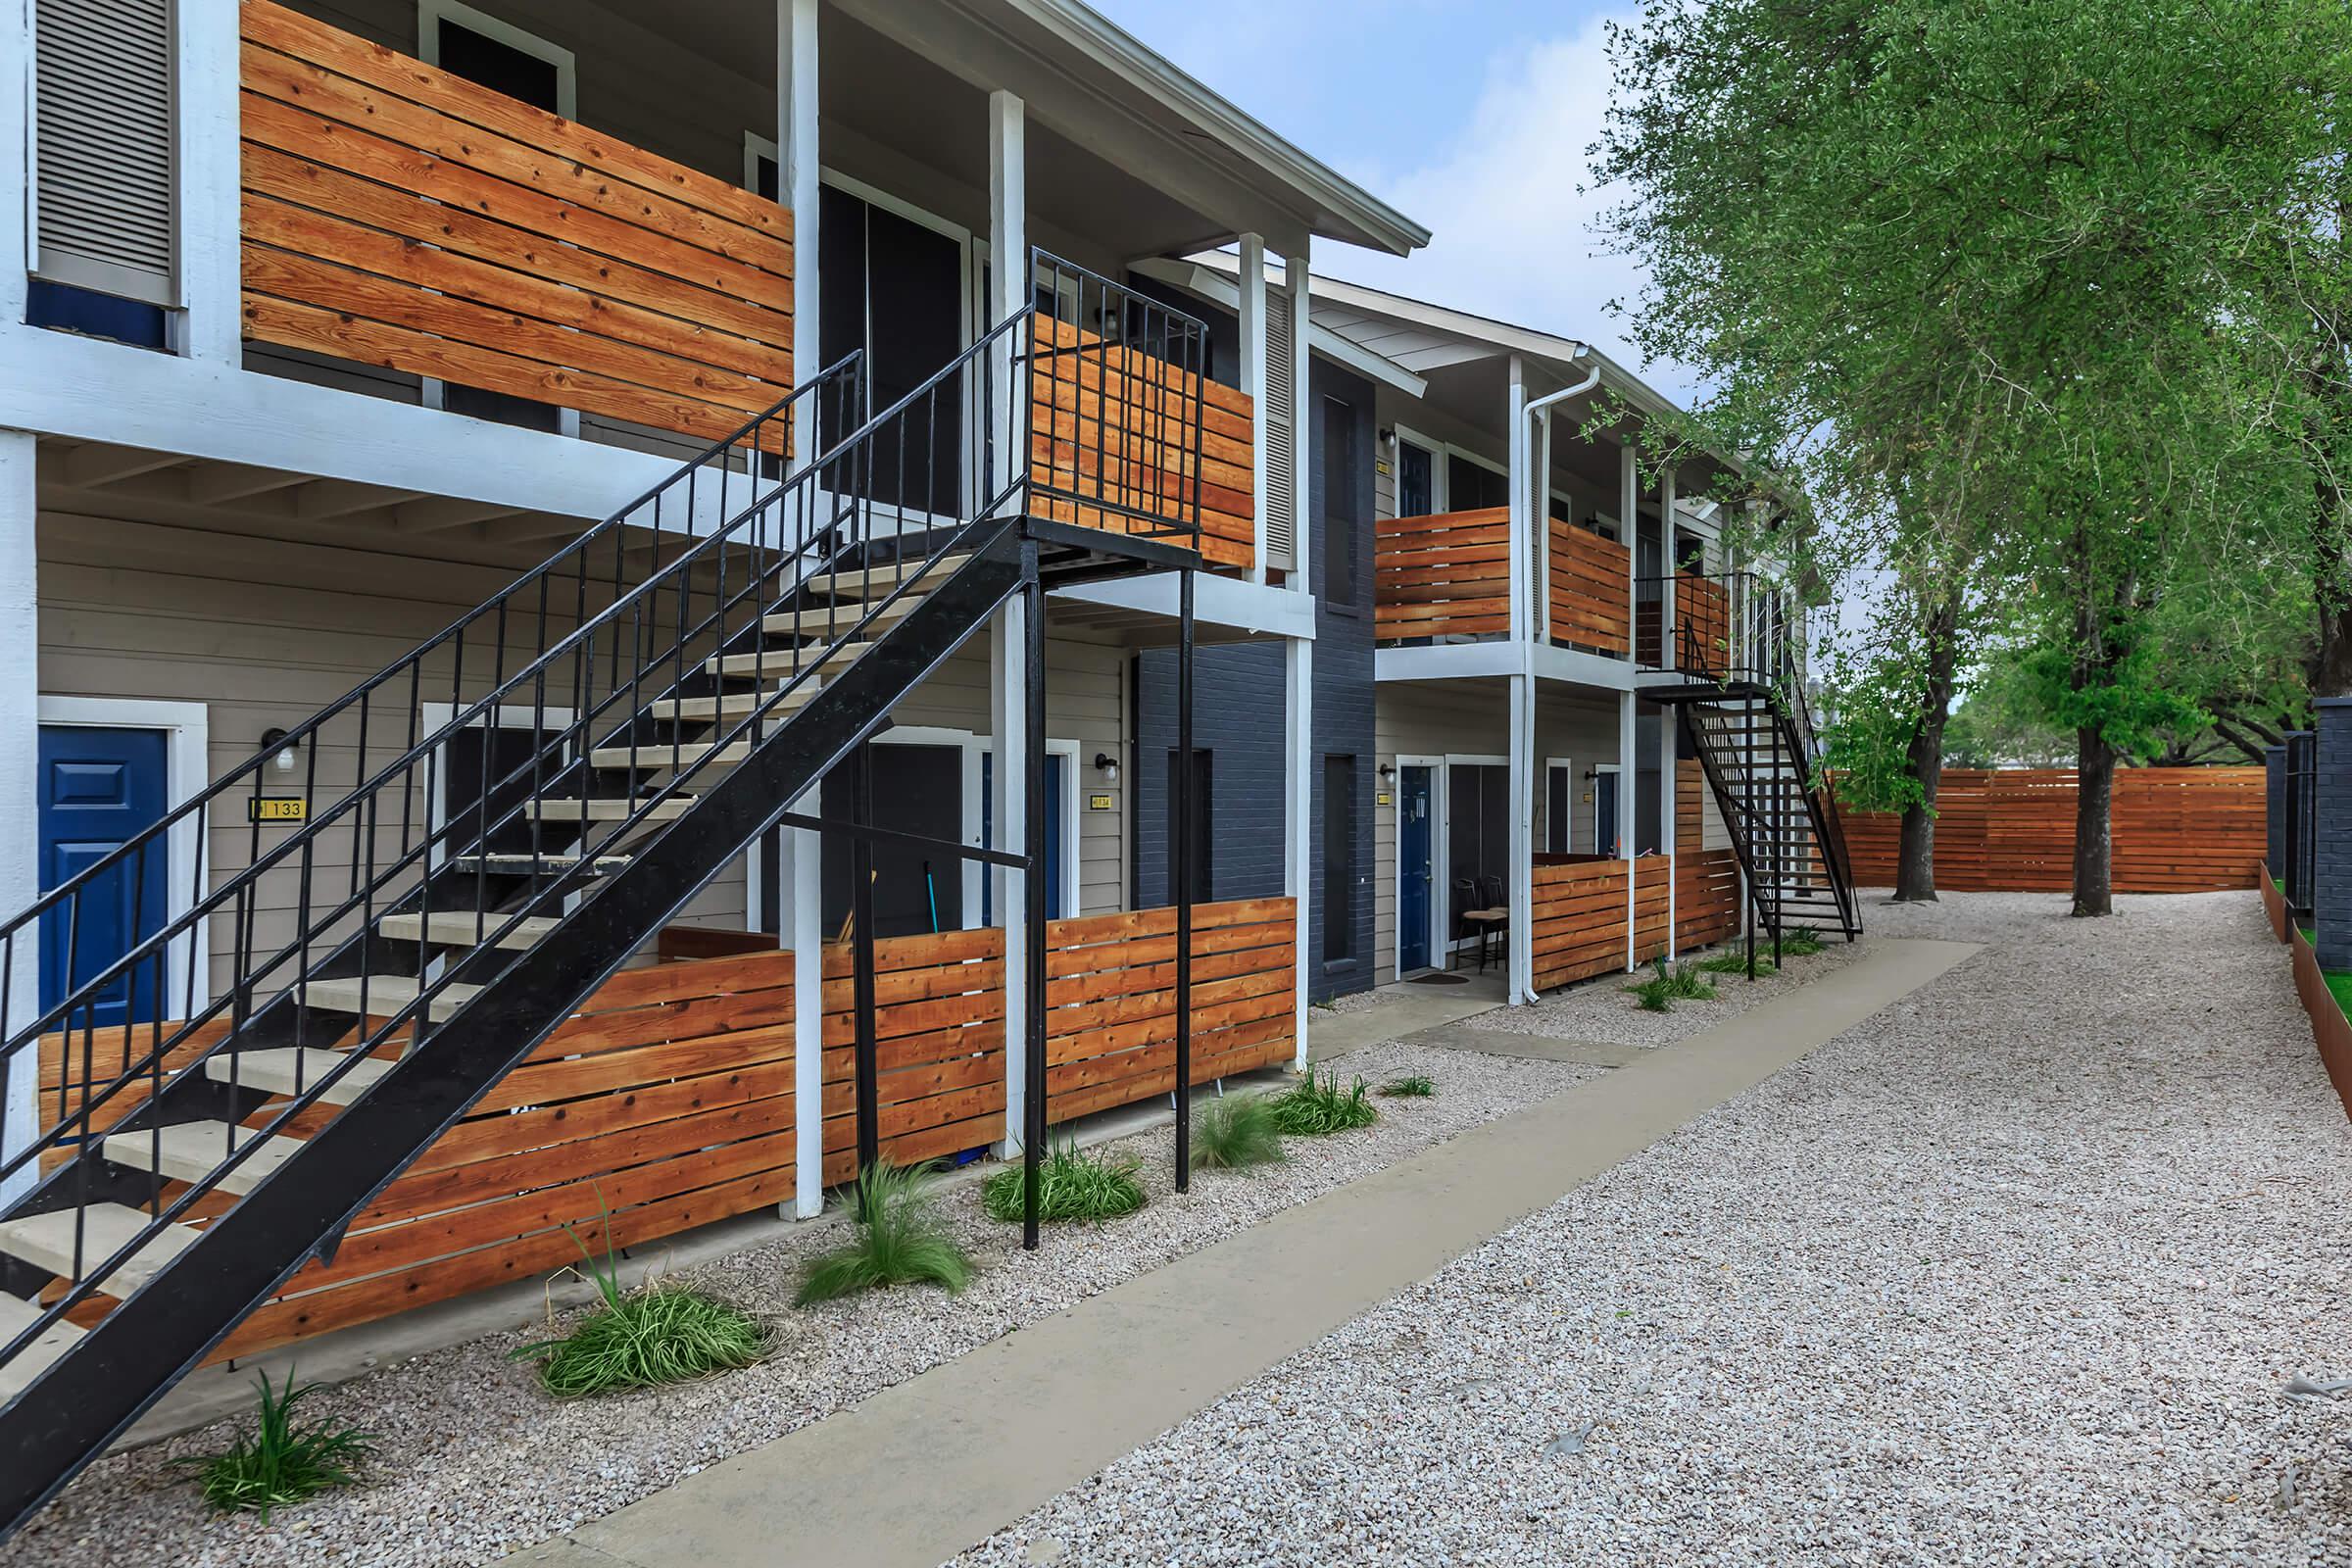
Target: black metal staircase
1739 693
678 675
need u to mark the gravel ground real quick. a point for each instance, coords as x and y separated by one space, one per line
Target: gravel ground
1355 1002
1600 1009
474 1461
2012 1272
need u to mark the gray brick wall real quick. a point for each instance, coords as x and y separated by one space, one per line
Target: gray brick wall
2331 832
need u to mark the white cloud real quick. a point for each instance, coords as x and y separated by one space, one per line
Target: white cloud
1509 200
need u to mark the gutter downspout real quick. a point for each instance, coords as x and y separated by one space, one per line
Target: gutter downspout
1522 976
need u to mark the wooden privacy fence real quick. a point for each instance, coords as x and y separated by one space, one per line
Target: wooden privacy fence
2176 830
667 1101
1443 575
1113 424
1706 882
1702 618
1579 921
1592 588
400 215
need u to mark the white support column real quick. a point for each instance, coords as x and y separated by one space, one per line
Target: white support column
1296 280
1519 967
19 824
1252 313
1298 807
1522 492
1008 732
799 181
208 176
800 889
1629 530
1539 597
1629 774
1666 725
1008 290
16 158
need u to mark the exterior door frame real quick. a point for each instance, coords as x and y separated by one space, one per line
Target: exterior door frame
187 769
1448 945
1566 767
1599 769
1439 891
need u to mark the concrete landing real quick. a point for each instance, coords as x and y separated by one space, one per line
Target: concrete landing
926 1468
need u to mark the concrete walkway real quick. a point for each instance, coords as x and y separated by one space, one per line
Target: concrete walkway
920 1471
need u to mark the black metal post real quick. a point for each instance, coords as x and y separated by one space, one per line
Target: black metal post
1748 784
1183 883
1032 890
862 949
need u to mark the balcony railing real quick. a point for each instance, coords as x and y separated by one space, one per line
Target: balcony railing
1443 576
1591 591
399 216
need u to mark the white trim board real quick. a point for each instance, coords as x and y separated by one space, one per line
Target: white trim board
187 768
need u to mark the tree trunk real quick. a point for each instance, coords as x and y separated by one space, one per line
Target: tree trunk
2094 837
1915 853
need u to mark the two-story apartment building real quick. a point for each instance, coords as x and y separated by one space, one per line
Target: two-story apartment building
574 577
1525 762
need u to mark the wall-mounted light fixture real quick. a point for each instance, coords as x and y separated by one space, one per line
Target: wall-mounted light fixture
282 750
1108 765
1388 438
1387 772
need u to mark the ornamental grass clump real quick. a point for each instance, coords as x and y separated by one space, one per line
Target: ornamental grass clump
1799 942
1665 986
1737 964
642 1338
1070 1185
1315 1108
1407 1085
899 1237
1236 1133
284 1461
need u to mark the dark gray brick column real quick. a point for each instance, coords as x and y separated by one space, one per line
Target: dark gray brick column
2331 833
2274 807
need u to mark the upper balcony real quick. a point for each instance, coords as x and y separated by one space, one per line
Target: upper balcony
1447 578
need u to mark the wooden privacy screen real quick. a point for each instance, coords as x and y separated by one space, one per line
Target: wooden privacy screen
400 215
1111 988
1114 425
2176 830
1579 921
1701 604
667 1102
1591 589
1443 575
1706 882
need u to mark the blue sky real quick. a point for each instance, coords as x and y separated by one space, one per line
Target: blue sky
1472 115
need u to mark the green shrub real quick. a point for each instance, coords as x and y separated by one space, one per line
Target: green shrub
1665 986
284 1461
1069 1185
1736 962
1313 1108
898 1238
1236 1133
1799 942
642 1339
1408 1085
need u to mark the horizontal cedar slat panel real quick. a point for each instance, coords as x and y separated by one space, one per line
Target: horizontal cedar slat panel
398 216
1445 574
1592 590
2176 830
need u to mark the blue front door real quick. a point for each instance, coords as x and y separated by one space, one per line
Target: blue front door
98 788
1413 870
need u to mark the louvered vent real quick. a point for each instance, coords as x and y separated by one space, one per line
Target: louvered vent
102 111
1282 494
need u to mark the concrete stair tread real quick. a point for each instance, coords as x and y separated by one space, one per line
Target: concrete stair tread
456 928
524 863
191 1150
839 620
296 1069
655 757
15 1314
869 582
600 808
385 994
47 1241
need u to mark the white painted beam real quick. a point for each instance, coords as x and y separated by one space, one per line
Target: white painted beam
1251 310
1629 775
1519 957
1522 490
1009 282
1297 809
799 181
20 812
803 888
208 173
1009 738
16 157
97 464
1298 281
